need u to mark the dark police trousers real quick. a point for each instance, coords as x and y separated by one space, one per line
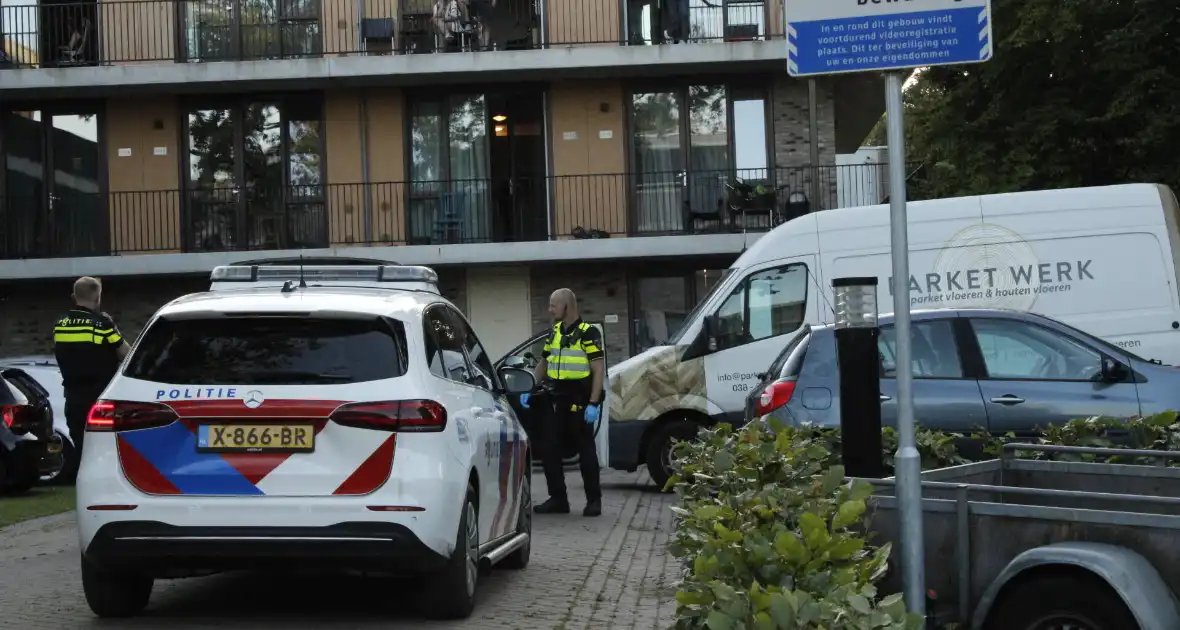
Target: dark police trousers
565 417
78 406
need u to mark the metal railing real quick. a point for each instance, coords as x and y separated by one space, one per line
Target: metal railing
478 210
126 31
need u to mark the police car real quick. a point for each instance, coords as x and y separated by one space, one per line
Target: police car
300 417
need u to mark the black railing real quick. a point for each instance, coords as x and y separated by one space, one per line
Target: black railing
119 31
480 210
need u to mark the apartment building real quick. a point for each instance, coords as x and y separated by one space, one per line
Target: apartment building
544 143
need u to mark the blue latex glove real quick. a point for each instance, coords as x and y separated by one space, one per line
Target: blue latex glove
524 400
591 414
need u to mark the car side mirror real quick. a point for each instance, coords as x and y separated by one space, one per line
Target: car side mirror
1113 371
516 380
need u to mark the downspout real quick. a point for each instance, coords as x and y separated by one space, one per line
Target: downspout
364 127
813 142
365 186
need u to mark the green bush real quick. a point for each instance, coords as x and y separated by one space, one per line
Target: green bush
770 534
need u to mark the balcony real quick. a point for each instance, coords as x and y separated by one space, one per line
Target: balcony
85 34
66 224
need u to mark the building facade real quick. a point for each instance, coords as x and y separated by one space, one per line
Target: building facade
583 143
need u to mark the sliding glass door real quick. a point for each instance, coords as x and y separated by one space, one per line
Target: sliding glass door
255 176
687 143
449 193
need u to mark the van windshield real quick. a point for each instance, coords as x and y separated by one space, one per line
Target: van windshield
675 338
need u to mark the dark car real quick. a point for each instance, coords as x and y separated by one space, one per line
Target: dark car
975 370
29 447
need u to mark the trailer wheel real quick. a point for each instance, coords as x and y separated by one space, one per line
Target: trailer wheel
1074 600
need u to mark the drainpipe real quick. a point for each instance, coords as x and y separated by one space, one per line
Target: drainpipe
813 142
364 119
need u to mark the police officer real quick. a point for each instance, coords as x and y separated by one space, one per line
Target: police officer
572 366
89 350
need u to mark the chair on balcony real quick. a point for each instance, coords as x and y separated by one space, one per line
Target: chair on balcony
72 53
448 219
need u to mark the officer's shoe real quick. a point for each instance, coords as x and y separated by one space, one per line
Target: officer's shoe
593 508
553 506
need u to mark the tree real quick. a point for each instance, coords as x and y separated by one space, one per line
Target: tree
1079 93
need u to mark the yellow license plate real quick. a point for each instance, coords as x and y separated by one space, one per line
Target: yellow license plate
256 438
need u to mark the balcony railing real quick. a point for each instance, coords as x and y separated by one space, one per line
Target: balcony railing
427 213
127 31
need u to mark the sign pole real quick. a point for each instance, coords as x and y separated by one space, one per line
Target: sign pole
907 462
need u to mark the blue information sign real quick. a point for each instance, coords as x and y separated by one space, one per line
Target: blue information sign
835 36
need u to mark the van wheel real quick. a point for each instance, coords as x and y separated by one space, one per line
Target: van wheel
454 587
659 449
519 559
114 595
1079 601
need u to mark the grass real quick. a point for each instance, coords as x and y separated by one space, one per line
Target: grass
38 502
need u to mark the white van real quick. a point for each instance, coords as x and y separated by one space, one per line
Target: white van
1101 259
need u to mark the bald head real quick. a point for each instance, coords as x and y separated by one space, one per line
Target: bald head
88 292
563 306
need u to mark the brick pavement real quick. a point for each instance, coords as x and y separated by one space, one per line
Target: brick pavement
586 574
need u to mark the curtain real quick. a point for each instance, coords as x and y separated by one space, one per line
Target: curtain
659 162
708 127
449 191
467 134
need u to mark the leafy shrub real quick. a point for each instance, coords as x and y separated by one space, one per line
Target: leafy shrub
771 535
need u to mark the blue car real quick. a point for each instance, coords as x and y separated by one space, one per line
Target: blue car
975 370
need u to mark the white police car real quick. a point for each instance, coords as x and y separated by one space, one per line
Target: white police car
336 417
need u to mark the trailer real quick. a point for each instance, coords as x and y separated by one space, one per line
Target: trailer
1016 543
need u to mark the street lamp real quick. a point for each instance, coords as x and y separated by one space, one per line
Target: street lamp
858 362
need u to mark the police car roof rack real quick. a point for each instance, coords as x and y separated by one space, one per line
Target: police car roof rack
411 277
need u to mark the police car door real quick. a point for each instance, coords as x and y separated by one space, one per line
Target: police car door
503 462
762 313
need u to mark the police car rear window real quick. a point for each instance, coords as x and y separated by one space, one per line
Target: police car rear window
269 350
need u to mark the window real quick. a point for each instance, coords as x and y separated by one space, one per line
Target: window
444 346
790 361
528 356
449 170
475 352
251 29
934 353
766 304
255 175
1017 350
269 350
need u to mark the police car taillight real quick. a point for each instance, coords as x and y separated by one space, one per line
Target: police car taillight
117 415
400 416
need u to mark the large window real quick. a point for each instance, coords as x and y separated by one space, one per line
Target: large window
765 304
449 190
687 143
251 29
255 175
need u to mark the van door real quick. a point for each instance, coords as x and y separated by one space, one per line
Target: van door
761 315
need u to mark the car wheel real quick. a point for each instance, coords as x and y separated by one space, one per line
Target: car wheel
659 449
114 595
1059 601
69 466
455 586
519 559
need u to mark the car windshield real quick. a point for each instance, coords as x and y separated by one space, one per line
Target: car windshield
296 350
675 338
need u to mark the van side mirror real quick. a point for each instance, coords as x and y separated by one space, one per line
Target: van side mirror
710 327
1114 371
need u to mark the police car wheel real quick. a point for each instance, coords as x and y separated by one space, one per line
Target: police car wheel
114 595
455 586
519 559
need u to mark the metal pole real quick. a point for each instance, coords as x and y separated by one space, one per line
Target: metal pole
907 464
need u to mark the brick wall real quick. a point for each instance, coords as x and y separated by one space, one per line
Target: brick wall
29 310
790 113
601 288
